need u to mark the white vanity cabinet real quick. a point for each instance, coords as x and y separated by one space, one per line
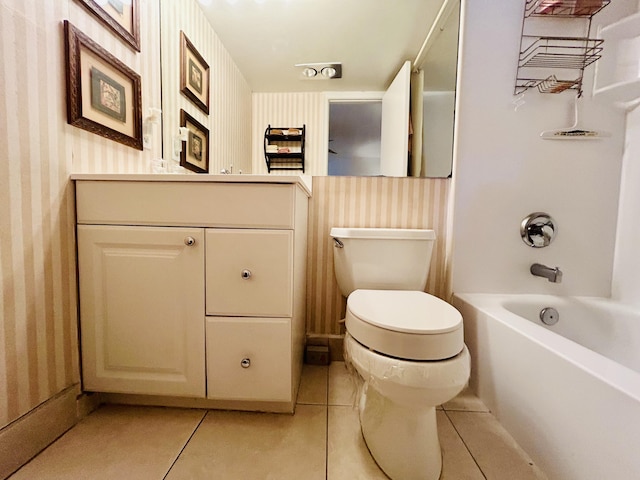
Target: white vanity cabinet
193 288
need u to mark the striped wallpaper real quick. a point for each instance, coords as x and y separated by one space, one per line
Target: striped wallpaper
229 119
347 201
38 151
292 110
368 202
94 154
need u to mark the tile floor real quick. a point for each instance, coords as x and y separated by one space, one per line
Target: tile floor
321 441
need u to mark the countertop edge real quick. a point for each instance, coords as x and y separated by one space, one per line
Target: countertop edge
304 181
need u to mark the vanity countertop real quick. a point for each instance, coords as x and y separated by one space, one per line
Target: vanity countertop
304 181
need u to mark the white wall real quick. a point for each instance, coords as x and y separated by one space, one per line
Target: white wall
626 280
503 171
437 133
626 270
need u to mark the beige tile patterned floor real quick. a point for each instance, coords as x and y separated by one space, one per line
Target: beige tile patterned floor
321 441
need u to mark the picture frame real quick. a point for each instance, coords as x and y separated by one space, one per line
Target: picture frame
121 17
195 150
194 74
103 94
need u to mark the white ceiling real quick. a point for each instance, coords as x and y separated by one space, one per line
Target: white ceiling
372 38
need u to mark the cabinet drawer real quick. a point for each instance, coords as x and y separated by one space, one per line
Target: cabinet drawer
210 204
249 272
249 358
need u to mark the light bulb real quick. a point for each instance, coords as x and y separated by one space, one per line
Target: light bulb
309 72
328 72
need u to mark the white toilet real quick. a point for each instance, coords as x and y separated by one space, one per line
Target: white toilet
407 345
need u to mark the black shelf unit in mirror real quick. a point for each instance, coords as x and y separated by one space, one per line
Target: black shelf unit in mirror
284 148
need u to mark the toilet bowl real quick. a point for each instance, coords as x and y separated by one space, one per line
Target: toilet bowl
397 408
407 346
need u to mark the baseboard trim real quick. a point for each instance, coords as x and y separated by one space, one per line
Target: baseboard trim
334 342
24 438
203 403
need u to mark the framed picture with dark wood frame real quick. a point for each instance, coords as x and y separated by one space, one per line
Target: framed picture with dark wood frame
195 150
122 17
103 94
194 74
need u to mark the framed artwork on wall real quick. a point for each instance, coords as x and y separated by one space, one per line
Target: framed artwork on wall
194 74
122 17
103 94
195 150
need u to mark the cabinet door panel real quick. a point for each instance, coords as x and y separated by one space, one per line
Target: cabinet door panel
141 309
264 344
265 257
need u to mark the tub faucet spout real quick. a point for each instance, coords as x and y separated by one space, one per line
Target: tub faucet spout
553 274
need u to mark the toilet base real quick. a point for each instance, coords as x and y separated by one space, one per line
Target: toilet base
403 441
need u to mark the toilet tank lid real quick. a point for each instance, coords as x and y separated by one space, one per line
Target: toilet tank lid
379 233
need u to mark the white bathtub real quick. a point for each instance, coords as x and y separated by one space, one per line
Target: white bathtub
569 393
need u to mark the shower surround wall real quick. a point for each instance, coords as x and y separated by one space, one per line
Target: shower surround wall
626 281
504 171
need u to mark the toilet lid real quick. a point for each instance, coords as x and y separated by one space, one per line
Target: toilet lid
405 324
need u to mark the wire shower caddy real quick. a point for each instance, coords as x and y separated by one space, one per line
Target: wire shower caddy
555 63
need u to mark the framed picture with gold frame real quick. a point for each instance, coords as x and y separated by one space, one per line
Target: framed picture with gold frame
122 17
103 94
194 74
195 150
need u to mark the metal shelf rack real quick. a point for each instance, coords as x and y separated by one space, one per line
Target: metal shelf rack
555 63
288 144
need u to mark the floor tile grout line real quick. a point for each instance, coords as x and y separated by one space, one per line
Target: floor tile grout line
185 444
465 443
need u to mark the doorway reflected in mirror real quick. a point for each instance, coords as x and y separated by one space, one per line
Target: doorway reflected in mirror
354 138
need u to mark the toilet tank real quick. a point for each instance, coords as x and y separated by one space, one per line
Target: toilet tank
381 258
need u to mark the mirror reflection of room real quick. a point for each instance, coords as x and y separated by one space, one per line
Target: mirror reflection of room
259 78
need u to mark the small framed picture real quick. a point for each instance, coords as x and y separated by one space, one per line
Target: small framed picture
194 74
195 150
122 17
103 94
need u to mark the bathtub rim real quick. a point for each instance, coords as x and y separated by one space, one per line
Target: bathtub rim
625 379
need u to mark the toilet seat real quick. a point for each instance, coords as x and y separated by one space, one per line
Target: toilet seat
404 324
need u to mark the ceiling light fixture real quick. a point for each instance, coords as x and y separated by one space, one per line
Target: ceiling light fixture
321 71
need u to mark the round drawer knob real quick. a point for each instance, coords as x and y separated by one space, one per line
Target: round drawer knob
189 241
245 363
246 274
